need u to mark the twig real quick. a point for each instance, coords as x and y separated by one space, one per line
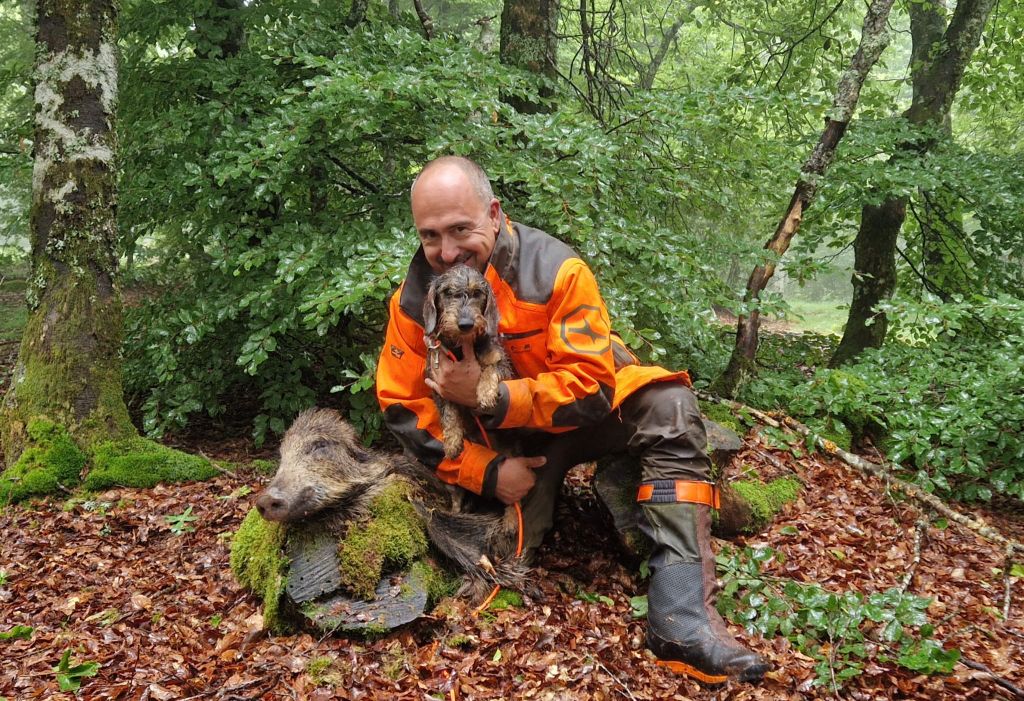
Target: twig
999 681
919 532
1007 583
615 679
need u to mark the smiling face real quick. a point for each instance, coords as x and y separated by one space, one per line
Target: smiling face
456 226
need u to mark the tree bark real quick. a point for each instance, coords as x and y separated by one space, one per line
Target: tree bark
529 40
939 57
69 367
874 39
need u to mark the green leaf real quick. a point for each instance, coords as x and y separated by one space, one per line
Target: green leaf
17 633
638 606
69 677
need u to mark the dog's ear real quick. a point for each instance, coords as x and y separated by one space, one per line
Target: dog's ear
491 314
430 310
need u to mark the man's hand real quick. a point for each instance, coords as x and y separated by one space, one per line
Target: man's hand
516 479
455 380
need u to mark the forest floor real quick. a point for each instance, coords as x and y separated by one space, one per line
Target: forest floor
114 579
107 577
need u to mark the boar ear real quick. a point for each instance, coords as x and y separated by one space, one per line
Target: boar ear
430 310
361 455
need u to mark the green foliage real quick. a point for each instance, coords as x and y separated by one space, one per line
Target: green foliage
139 462
282 224
842 631
17 633
181 523
721 414
70 677
258 563
391 538
945 391
50 461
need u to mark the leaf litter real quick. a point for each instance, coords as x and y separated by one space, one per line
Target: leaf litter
156 607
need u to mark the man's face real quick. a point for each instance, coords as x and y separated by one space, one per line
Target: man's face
454 225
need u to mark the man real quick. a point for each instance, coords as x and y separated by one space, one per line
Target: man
578 394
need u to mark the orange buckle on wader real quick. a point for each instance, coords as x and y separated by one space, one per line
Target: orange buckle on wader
676 491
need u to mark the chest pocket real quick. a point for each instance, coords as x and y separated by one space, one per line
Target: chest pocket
526 351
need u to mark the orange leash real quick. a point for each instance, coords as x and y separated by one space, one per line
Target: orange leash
519 540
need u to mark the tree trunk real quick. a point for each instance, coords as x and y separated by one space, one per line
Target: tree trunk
874 254
939 56
69 367
529 40
874 39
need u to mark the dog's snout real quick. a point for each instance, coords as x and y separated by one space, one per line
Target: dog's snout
466 322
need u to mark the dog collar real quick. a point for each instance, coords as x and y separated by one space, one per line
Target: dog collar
435 344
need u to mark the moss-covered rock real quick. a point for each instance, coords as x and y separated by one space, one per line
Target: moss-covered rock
140 462
766 500
392 538
720 413
258 563
50 460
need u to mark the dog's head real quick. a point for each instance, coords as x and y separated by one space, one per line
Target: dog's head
460 305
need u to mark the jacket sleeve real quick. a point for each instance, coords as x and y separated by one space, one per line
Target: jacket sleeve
578 386
410 412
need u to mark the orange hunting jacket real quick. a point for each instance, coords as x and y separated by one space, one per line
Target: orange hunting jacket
570 368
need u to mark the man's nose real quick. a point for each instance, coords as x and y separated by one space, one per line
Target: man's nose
449 251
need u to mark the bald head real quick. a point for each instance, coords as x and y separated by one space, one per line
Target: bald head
448 166
455 213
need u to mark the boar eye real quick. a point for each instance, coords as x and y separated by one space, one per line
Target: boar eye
319 444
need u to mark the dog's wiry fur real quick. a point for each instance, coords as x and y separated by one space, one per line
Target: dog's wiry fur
460 307
325 472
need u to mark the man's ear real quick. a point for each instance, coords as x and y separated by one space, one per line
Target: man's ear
430 310
494 214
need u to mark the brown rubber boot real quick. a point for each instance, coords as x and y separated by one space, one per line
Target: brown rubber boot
684 630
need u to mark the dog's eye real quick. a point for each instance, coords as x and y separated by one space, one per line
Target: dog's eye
478 294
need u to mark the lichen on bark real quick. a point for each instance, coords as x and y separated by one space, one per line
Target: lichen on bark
69 365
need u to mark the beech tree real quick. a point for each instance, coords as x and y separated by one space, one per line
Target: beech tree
529 40
69 367
874 39
940 54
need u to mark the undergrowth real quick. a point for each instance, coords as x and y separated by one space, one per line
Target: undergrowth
842 631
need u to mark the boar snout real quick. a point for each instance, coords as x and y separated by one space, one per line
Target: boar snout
275 505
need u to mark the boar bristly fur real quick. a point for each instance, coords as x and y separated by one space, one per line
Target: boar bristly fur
326 472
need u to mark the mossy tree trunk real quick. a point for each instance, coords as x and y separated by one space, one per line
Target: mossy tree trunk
939 57
529 40
69 365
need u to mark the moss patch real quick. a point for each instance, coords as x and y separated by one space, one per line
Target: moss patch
506 599
721 414
259 565
140 462
440 582
766 500
49 461
391 538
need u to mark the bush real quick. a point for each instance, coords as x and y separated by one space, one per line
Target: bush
948 391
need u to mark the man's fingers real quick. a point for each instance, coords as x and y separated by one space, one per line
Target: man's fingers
432 385
538 461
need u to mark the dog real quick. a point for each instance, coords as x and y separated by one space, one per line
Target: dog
460 307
